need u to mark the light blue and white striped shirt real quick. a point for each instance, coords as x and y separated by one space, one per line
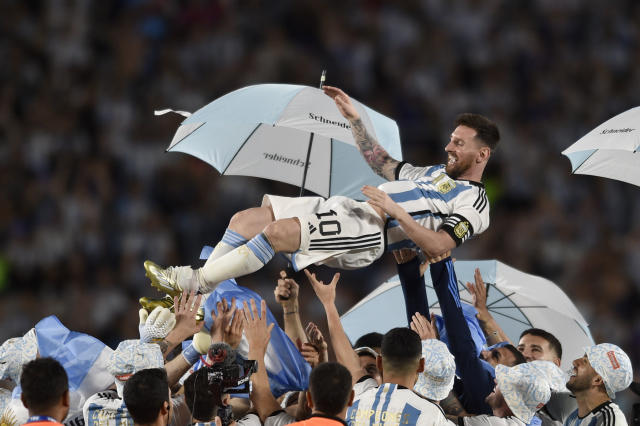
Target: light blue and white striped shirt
391 404
436 201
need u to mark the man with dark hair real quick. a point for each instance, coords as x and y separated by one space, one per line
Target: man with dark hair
368 347
330 394
45 391
394 401
536 343
434 208
401 361
148 397
371 340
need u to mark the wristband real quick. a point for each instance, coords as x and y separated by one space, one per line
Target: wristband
191 354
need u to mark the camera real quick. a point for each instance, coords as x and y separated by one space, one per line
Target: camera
205 388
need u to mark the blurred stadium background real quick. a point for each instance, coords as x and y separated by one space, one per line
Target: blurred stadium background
88 193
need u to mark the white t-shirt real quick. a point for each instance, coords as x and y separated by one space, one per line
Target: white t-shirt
607 414
392 404
436 201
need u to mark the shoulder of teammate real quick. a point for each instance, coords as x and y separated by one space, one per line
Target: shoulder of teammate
366 383
406 171
428 401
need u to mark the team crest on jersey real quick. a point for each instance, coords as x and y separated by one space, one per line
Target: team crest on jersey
461 229
444 184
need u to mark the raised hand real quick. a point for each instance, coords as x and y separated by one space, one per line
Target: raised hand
479 292
286 292
379 198
343 102
186 309
256 330
316 339
426 329
326 292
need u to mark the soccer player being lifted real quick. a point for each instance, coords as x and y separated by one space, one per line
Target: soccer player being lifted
433 208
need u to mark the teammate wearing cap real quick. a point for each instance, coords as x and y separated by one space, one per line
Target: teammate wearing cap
595 378
518 393
433 208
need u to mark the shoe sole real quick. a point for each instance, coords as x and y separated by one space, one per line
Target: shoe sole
173 292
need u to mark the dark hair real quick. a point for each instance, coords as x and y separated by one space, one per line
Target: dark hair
330 386
44 381
400 348
371 340
145 393
517 354
199 397
554 343
486 130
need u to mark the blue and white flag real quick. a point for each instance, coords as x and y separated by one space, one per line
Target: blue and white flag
84 358
286 368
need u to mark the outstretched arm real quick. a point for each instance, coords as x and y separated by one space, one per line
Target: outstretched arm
376 156
492 331
286 293
345 354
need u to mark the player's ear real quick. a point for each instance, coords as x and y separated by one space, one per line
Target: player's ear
483 154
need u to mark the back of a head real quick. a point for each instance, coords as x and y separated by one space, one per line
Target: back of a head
370 340
145 393
330 387
401 350
486 130
554 343
44 381
199 397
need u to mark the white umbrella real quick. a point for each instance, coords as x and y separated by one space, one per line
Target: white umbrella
517 301
610 150
288 133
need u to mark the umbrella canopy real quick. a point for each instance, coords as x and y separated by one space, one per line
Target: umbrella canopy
517 301
288 133
610 150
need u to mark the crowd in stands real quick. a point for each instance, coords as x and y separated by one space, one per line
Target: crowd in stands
88 192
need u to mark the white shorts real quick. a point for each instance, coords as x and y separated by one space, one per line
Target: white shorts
338 232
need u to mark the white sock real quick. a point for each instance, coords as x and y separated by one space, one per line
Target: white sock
230 240
243 260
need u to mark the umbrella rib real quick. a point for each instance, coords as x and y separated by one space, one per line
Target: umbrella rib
241 146
514 319
306 164
506 296
585 160
518 306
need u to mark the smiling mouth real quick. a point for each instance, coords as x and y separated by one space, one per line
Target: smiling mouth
451 160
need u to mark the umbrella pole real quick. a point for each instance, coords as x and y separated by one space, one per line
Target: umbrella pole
306 165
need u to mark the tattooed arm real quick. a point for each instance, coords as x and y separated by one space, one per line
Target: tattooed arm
376 156
453 408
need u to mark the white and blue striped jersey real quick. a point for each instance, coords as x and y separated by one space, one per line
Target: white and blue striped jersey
108 409
392 404
607 414
436 201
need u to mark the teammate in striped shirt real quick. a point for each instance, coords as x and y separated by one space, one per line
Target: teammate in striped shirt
595 378
432 208
394 402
